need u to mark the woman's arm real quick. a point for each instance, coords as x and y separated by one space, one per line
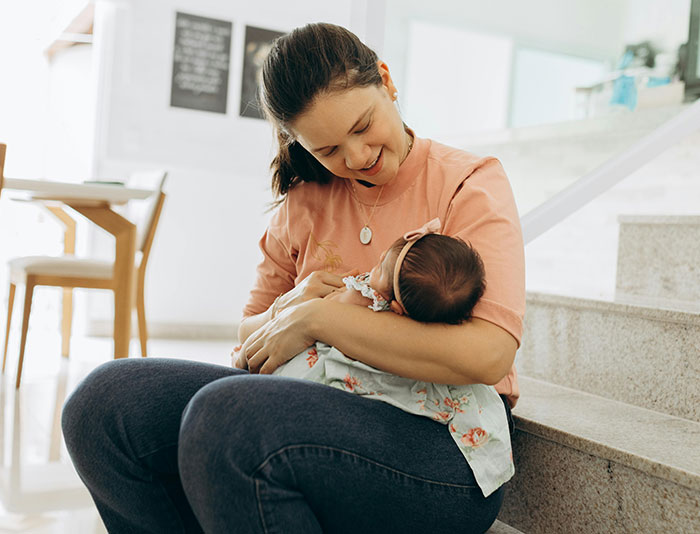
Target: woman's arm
349 296
474 352
251 323
317 284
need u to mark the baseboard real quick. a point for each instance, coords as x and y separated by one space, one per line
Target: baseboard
156 330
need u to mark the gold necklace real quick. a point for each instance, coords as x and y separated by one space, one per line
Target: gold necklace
410 144
366 232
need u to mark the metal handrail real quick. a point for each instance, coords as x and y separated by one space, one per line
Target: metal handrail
551 212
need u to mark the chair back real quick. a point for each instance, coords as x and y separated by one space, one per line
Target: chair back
3 150
151 224
146 214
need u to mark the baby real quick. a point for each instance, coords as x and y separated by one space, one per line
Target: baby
427 276
430 278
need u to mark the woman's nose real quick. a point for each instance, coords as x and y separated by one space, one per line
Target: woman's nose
357 155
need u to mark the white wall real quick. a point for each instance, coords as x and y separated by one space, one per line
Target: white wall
449 102
205 251
23 89
544 86
45 119
591 28
69 121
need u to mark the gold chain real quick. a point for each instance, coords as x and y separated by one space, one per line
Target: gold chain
376 201
366 232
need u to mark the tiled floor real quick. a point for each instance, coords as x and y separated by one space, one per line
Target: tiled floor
40 492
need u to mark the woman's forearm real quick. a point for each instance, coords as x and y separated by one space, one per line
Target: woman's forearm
318 284
252 323
473 352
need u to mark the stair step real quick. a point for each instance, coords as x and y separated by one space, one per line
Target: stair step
501 528
635 354
659 444
586 463
658 261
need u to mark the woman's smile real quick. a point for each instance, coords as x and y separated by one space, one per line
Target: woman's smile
355 133
375 167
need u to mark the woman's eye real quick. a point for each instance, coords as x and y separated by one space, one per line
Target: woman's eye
364 129
330 152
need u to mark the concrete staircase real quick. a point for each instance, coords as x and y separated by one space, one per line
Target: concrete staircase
608 427
659 261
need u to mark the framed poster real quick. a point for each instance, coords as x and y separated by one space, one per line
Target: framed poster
201 58
258 43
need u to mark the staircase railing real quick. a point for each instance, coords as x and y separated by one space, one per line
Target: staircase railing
596 182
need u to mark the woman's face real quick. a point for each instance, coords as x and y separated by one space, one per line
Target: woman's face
381 277
356 133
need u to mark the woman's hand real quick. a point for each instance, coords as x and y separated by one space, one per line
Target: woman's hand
317 285
348 296
277 341
238 358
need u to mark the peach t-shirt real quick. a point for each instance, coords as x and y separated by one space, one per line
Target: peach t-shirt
317 227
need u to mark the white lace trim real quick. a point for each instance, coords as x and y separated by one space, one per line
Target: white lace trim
361 283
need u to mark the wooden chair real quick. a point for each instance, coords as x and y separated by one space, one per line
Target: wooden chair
69 272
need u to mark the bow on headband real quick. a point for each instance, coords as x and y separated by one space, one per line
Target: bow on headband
431 227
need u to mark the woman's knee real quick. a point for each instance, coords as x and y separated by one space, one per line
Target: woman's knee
256 415
208 418
204 439
93 408
226 420
92 395
234 405
140 397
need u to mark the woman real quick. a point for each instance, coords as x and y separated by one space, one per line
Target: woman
173 446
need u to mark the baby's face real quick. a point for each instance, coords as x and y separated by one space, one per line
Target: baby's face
381 277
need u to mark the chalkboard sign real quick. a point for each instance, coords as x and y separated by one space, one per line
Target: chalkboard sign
258 42
201 60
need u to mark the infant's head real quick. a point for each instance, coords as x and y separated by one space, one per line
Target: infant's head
440 280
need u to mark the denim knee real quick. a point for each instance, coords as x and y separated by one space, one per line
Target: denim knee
223 427
202 429
208 459
83 408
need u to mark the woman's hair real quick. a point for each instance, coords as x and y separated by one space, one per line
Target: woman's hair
441 279
310 60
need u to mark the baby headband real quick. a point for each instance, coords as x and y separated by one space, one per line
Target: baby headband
431 227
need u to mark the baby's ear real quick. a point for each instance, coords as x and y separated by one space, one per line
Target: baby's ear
397 308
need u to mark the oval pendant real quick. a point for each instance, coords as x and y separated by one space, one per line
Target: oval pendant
365 235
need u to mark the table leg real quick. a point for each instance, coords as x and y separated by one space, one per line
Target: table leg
124 274
124 232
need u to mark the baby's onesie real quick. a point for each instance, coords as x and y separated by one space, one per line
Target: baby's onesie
473 414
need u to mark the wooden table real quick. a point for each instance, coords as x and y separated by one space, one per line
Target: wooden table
95 201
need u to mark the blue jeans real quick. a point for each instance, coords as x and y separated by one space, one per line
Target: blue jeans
168 446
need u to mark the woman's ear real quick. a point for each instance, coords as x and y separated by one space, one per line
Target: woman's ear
397 308
387 82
